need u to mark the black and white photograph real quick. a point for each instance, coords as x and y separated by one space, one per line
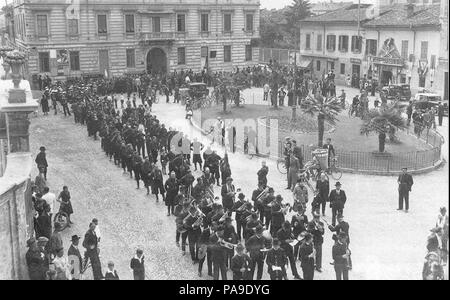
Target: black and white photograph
203 141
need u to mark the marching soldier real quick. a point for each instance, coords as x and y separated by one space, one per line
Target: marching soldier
285 236
307 255
341 257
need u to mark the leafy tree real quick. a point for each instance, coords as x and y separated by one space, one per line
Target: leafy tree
326 109
383 121
297 11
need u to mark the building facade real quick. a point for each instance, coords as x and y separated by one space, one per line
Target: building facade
66 39
401 43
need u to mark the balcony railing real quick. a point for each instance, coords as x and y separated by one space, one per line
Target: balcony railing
157 36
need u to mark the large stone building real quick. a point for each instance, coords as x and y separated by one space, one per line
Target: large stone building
401 43
126 36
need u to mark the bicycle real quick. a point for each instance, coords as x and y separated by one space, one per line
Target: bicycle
334 170
281 166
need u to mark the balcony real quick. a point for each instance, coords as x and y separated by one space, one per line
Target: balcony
157 36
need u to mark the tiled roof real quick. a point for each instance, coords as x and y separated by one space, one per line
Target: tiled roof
397 16
346 14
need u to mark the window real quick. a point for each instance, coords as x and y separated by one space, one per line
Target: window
102 27
227 53
331 42
342 71
248 53
204 26
227 22
343 43
44 62
318 65
181 56
131 58
371 47
405 50
319 42
424 50
129 23
74 60
356 44
42 27
73 27
331 65
249 22
308 42
156 22
181 23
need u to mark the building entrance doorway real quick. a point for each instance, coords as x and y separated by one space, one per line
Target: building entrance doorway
156 61
386 77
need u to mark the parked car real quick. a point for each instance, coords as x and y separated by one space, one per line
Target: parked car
400 92
424 101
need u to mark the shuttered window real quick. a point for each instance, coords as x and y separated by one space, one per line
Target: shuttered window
248 53
181 55
102 27
131 58
44 62
129 23
74 60
181 22
42 26
319 42
424 50
227 53
204 23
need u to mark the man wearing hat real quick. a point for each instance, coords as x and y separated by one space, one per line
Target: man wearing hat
277 215
262 174
405 182
266 202
90 242
317 230
337 200
228 193
307 254
74 257
342 226
41 161
341 255
240 264
254 246
276 261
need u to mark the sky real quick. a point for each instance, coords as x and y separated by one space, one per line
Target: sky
269 4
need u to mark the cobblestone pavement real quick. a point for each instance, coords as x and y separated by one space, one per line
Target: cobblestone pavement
385 243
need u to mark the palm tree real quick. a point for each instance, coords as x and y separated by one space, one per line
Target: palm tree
383 121
325 108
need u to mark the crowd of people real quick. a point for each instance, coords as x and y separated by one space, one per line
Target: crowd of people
235 232
437 249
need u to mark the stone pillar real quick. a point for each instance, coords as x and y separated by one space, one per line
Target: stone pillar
19 105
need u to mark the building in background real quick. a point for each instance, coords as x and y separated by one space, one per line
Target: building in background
114 37
401 43
321 8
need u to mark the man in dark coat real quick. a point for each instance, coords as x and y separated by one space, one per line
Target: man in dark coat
218 254
337 200
262 175
285 235
405 182
276 261
35 261
240 264
340 257
317 230
137 265
41 161
171 187
90 242
228 193
323 190
254 245
306 253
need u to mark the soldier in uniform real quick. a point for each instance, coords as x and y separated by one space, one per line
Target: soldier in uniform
218 254
341 256
307 255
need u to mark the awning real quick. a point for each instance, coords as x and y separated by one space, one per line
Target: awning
305 64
